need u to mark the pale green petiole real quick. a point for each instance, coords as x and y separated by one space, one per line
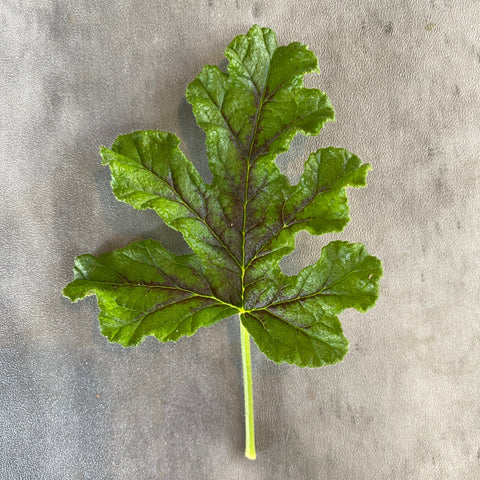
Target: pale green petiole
248 393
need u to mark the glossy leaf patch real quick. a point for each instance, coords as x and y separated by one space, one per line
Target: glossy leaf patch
241 225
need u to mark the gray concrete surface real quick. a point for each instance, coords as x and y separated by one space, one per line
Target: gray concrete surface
404 77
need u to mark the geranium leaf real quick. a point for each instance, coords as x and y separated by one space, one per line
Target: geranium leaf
242 224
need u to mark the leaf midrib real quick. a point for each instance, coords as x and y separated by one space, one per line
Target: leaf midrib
164 287
247 176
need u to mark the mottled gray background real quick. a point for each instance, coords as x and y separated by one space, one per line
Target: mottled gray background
404 77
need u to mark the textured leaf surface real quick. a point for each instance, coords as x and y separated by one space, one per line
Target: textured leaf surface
145 290
241 225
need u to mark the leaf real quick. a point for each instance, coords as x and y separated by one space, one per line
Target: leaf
241 225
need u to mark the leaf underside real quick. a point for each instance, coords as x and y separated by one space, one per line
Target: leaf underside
241 225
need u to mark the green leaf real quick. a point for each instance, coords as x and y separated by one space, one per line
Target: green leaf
241 225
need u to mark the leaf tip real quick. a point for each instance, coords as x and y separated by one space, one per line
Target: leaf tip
69 292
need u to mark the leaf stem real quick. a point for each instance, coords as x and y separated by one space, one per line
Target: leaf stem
248 394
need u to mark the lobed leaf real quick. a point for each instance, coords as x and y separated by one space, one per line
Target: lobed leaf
241 225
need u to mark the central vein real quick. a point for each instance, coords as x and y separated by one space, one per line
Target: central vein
247 181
